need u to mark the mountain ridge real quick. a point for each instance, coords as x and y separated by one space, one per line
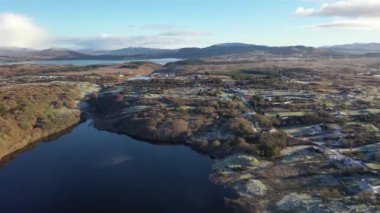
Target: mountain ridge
186 53
355 48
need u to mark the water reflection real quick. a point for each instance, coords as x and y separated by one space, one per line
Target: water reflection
87 170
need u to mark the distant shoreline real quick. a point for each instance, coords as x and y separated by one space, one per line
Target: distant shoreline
86 62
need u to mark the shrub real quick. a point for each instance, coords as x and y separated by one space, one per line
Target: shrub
267 122
21 108
215 145
243 146
239 126
257 101
377 156
3 110
216 81
329 193
57 104
71 104
180 127
317 117
272 144
366 196
201 145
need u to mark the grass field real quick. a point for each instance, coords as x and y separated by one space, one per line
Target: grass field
374 166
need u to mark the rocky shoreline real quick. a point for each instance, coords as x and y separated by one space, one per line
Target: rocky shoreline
300 178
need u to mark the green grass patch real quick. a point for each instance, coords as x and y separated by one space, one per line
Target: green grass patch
297 130
223 94
186 107
286 114
374 166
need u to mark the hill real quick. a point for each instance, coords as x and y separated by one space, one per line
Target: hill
146 53
238 48
356 48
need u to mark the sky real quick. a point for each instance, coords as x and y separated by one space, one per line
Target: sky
115 24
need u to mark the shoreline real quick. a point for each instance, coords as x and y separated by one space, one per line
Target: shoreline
36 135
31 144
99 124
156 142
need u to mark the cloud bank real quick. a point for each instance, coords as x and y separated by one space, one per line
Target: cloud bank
17 30
348 8
20 31
355 14
110 42
360 24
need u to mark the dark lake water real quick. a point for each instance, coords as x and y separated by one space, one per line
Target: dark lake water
162 61
87 170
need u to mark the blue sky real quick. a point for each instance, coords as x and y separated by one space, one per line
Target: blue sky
102 24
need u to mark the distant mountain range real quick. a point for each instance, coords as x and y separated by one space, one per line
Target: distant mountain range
185 53
356 48
239 48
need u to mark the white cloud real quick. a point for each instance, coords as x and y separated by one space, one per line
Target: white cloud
350 14
20 31
304 11
347 8
361 24
109 42
160 36
17 30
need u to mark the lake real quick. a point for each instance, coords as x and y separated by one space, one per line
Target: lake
87 170
162 61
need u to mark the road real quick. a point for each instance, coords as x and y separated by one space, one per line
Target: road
245 101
